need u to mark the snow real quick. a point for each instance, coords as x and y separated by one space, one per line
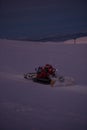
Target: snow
25 105
81 40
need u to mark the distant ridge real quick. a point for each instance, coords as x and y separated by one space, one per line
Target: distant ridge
57 37
63 37
51 38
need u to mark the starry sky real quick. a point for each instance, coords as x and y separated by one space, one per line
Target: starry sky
41 18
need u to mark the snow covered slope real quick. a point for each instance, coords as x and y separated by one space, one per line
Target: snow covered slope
25 105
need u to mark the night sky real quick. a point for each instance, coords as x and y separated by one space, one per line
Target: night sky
41 18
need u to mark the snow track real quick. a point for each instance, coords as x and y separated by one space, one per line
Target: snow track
12 76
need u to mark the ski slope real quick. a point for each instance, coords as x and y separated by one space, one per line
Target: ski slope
28 105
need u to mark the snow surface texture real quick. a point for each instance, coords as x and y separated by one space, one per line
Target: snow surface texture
25 105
